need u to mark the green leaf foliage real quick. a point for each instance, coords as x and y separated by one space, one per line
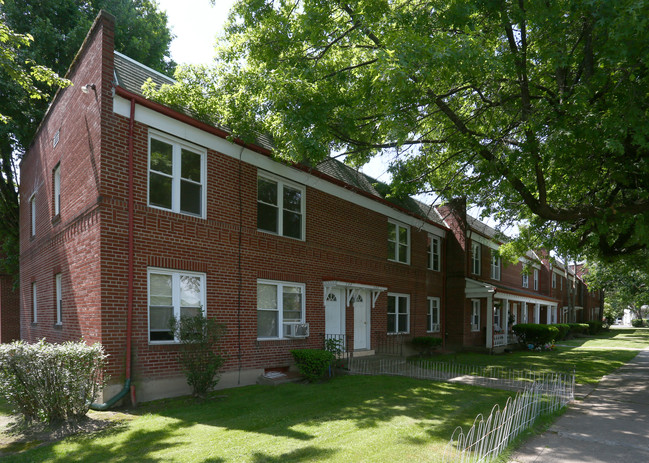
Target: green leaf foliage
200 356
534 111
312 363
535 334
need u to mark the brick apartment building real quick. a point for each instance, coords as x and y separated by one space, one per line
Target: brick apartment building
133 212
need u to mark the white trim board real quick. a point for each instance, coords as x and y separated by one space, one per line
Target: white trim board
167 124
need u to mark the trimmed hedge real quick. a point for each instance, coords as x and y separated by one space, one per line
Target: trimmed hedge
312 363
425 344
563 328
637 322
578 328
51 382
535 334
594 327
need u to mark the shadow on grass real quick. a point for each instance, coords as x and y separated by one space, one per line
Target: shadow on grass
292 412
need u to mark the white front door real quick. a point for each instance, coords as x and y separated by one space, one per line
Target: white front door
334 312
361 319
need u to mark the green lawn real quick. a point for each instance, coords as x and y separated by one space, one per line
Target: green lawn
591 357
353 418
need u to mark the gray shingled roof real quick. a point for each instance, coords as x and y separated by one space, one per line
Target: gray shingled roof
131 75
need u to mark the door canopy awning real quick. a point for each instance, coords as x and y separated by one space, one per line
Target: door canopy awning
352 289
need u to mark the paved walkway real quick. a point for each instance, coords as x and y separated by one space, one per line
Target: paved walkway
610 425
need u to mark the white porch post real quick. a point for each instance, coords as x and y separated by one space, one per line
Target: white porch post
506 321
490 320
523 312
548 315
537 313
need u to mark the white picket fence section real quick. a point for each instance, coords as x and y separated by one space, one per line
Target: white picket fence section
539 394
486 376
487 438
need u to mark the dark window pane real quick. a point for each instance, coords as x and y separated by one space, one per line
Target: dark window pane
392 323
392 232
403 323
267 324
292 225
267 217
403 253
162 336
403 235
190 165
190 197
392 250
292 199
429 321
391 304
267 191
160 190
161 156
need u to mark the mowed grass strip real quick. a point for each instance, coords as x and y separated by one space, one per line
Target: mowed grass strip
351 419
591 357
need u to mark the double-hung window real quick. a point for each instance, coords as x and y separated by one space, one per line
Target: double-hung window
475 314
173 294
526 280
34 304
280 207
476 261
495 265
398 242
57 190
32 215
279 305
433 253
536 280
432 322
398 313
176 176
58 295
554 280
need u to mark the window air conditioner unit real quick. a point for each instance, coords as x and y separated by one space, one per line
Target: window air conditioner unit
296 330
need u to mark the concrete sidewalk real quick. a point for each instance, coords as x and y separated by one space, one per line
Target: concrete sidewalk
610 425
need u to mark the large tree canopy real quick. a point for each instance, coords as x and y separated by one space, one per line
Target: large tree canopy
536 111
49 33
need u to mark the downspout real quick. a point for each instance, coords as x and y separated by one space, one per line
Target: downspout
131 245
444 271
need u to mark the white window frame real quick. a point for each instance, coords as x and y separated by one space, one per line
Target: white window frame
495 265
433 309
536 280
58 295
32 215
177 147
434 253
281 183
475 315
175 296
526 280
398 329
57 189
476 258
34 303
397 244
279 286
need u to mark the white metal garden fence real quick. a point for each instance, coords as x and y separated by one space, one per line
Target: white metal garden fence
477 375
487 438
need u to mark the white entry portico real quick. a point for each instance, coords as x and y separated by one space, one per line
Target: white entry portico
338 295
506 307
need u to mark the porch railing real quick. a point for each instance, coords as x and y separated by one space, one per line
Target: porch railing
337 343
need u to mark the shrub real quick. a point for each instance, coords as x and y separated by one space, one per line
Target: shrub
595 327
578 328
51 382
534 334
312 363
637 322
199 357
425 344
563 328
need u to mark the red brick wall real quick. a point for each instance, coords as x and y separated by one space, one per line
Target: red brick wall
68 243
9 310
